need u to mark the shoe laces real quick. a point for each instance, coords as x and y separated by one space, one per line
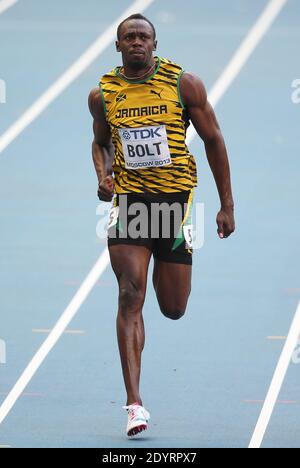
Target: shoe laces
133 410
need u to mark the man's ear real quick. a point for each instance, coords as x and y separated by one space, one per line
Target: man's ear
155 45
117 46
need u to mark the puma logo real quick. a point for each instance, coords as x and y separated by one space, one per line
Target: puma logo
158 94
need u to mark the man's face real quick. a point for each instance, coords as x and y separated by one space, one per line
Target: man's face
136 43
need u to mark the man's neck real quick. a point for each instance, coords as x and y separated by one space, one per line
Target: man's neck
132 73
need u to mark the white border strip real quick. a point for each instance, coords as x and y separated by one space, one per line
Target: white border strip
6 4
78 67
242 54
79 298
277 382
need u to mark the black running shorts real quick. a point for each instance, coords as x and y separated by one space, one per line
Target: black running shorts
161 222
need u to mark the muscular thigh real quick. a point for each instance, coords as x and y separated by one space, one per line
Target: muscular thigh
130 264
172 283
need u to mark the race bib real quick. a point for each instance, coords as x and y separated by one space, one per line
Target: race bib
145 147
188 235
113 217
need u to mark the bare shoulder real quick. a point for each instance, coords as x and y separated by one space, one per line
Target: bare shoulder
95 103
192 90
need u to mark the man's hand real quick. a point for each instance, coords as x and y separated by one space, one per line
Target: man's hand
225 222
106 189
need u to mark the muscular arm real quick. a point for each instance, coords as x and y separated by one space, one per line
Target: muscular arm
102 148
204 120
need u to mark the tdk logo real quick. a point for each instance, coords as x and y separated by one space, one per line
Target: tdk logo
142 134
126 135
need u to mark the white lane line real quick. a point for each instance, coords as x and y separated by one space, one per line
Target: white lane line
69 76
279 338
55 334
76 303
242 54
6 4
26 394
278 402
277 382
49 330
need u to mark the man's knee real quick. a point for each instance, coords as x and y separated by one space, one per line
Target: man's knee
131 298
173 313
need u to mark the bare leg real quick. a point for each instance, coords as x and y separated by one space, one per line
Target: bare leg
172 283
130 264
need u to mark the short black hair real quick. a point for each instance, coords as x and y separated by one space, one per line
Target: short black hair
135 16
